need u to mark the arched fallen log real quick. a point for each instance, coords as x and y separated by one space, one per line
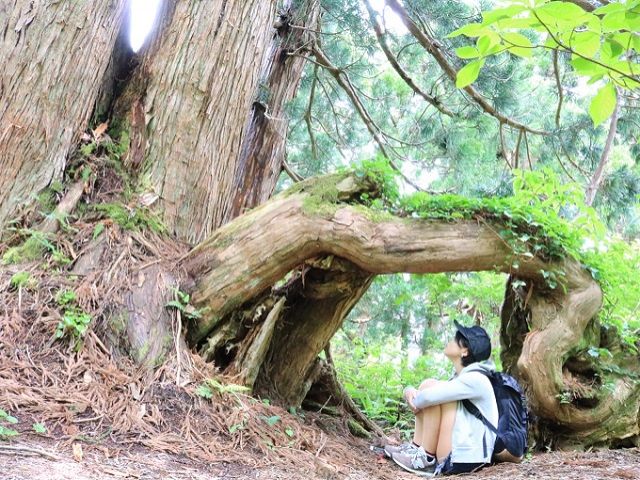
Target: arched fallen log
235 268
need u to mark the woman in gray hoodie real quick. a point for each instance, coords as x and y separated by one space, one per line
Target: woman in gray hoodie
448 439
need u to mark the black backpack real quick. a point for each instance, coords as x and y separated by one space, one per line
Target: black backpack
513 418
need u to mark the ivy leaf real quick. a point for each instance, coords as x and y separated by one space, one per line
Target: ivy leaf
271 421
469 73
603 104
467 52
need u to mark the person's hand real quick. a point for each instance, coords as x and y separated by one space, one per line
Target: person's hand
409 396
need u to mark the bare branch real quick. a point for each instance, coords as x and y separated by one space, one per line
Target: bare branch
526 144
556 72
307 115
343 81
434 48
380 35
289 171
503 149
596 180
516 155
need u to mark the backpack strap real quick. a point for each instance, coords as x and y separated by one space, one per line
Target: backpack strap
473 410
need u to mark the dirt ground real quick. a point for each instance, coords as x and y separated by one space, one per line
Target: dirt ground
142 463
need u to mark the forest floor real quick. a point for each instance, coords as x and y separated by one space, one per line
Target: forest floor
102 462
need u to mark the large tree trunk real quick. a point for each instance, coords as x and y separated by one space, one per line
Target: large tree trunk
206 108
202 77
318 301
54 55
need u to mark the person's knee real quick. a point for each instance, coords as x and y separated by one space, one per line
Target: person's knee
429 382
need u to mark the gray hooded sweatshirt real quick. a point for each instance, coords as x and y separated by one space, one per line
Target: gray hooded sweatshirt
472 441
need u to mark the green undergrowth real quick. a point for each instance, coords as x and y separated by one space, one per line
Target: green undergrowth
543 218
130 218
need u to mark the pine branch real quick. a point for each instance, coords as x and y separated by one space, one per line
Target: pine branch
382 41
434 48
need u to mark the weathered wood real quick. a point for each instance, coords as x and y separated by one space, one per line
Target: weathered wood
247 256
558 328
317 302
54 55
250 359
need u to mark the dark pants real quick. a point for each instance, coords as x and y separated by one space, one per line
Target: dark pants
449 468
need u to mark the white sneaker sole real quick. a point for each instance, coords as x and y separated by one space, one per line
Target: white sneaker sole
420 473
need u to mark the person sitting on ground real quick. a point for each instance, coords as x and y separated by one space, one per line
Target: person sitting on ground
448 439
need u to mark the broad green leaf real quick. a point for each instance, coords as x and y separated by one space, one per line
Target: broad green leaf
586 43
611 50
586 67
551 43
485 42
467 52
603 104
469 73
562 11
469 30
614 21
595 79
527 22
496 14
612 7
625 39
518 44
633 21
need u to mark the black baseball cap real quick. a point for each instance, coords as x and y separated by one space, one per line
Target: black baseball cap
478 339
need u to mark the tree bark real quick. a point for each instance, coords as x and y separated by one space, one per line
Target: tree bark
263 148
46 103
318 301
579 398
203 77
244 258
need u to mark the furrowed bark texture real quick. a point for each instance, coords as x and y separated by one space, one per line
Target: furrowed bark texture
204 71
263 148
54 55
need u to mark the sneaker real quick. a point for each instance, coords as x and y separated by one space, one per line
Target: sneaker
406 447
417 462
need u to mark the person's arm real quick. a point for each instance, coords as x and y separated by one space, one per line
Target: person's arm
459 388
